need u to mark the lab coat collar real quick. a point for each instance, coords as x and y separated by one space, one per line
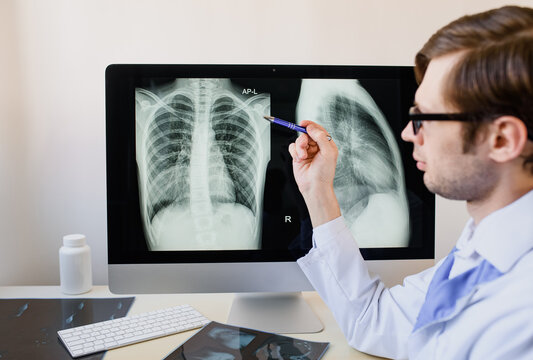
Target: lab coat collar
505 235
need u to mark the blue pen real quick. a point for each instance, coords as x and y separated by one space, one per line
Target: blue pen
287 124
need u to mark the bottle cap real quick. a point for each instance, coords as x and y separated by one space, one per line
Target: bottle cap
74 240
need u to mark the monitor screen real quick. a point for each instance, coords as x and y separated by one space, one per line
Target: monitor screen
195 174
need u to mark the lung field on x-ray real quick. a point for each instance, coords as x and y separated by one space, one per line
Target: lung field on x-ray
201 151
168 145
369 181
365 160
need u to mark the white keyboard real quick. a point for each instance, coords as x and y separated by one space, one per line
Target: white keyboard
106 335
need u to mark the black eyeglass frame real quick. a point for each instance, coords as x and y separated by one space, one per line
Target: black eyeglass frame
416 117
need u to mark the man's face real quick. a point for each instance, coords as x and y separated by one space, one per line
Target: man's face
438 145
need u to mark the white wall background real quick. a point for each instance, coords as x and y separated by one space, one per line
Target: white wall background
53 55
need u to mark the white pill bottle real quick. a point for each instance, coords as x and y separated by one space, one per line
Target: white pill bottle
75 274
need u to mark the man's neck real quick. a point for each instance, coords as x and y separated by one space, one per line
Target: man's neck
500 197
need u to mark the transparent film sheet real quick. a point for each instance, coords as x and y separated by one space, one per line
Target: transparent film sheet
218 341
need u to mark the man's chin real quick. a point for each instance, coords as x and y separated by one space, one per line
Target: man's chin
432 186
449 193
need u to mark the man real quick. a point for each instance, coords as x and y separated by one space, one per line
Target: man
477 303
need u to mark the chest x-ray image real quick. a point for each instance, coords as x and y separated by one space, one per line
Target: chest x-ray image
202 148
369 179
231 338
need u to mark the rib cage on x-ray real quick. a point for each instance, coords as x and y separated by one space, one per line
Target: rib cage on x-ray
168 144
369 182
237 141
202 151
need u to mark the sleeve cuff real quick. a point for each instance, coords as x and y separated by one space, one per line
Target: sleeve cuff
325 233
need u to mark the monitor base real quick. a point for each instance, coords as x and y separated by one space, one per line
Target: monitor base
281 313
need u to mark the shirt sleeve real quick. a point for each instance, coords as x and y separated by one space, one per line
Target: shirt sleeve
374 319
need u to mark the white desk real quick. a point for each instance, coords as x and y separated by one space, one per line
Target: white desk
213 306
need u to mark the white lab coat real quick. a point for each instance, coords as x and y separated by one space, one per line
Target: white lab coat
494 321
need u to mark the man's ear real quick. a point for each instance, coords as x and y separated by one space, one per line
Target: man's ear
507 139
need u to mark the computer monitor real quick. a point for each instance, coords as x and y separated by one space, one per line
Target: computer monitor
200 191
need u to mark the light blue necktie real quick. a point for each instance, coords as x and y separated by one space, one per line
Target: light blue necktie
443 293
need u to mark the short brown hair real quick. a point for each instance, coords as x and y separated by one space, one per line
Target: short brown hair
495 74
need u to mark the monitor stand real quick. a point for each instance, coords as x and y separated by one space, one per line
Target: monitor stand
282 313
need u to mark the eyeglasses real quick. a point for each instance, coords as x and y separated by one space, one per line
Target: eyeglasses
416 117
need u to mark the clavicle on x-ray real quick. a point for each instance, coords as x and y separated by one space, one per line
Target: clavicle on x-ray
369 180
201 148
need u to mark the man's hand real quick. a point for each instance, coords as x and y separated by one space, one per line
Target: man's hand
314 158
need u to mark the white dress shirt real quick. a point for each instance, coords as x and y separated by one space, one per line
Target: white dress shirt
494 321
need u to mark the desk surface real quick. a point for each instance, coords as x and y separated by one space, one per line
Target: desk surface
213 306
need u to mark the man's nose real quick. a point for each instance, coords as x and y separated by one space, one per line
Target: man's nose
409 136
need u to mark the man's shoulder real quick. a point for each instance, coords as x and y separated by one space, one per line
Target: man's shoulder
514 286
506 300
522 269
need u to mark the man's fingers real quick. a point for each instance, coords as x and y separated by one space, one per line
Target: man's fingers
307 145
292 151
319 135
302 145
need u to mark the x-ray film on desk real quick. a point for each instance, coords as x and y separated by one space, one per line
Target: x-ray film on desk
218 341
211 175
